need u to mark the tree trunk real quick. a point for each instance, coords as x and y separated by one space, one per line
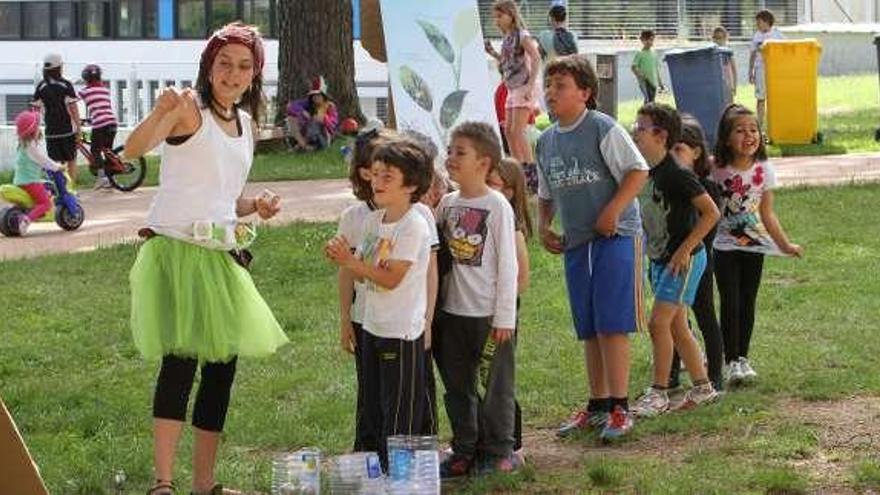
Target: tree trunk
315 39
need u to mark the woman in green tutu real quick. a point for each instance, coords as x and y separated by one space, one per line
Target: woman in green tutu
193 301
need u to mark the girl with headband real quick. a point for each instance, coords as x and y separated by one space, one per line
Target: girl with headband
194 304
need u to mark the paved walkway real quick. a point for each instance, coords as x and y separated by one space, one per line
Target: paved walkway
113 217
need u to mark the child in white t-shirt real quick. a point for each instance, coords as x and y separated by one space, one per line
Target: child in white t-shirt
351 227
392 261
475 327
764 21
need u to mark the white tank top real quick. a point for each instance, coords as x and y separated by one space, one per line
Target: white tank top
200 181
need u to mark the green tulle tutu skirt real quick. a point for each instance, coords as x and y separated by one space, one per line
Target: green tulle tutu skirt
196 302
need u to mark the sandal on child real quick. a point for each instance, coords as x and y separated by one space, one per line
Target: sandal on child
162 487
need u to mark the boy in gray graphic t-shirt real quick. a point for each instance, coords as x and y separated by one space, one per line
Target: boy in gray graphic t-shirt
591 171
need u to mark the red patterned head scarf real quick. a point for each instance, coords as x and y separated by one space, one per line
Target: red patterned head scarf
235 33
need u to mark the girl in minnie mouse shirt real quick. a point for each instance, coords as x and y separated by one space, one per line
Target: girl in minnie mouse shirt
748 230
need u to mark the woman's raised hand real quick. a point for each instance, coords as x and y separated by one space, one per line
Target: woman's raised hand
173 99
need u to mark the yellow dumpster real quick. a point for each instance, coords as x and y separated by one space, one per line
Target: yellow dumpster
791 74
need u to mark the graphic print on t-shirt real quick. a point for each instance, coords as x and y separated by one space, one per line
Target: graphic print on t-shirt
655 212
376 252
466 233
561 175
741 223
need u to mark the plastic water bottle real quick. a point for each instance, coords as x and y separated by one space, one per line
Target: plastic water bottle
297 473
413 465
280 474
356 474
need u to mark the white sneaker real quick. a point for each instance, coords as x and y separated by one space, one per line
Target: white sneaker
748 372
653 403
701 394
734 373
23 224
102 183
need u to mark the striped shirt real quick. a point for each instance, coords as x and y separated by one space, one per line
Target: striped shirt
97 100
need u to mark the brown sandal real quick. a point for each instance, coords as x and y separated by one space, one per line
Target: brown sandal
162 487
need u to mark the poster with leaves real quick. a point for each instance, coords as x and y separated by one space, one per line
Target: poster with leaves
438 71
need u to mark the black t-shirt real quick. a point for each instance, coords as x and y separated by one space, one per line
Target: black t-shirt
55 95
667 211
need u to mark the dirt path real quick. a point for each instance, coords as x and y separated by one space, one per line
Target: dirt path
847 432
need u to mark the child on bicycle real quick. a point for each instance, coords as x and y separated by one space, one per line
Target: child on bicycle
31 160
96 96
56 99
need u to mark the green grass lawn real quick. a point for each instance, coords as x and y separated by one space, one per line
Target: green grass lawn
849 113
81 395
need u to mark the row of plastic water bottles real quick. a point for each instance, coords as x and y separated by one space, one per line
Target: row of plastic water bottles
413 465
413 470
297 473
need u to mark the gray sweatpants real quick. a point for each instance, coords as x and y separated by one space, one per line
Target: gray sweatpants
482 420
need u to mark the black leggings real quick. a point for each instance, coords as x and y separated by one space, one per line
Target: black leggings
739 277
704 311
212 399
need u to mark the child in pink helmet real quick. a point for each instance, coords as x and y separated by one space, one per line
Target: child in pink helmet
29 166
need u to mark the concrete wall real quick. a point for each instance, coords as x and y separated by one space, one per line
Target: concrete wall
851 11
627 85
846 48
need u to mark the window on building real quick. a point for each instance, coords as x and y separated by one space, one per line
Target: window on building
136 19
259 13
191 19
63 20
130 14
223 12
151 19
10 21
382 109
16 104
96 19
35 16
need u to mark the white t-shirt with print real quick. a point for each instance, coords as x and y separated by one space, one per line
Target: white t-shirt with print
351 226
352 223
481 236
397 313
428 214
741 227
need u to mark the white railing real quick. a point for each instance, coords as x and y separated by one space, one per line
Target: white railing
625 19
134 87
